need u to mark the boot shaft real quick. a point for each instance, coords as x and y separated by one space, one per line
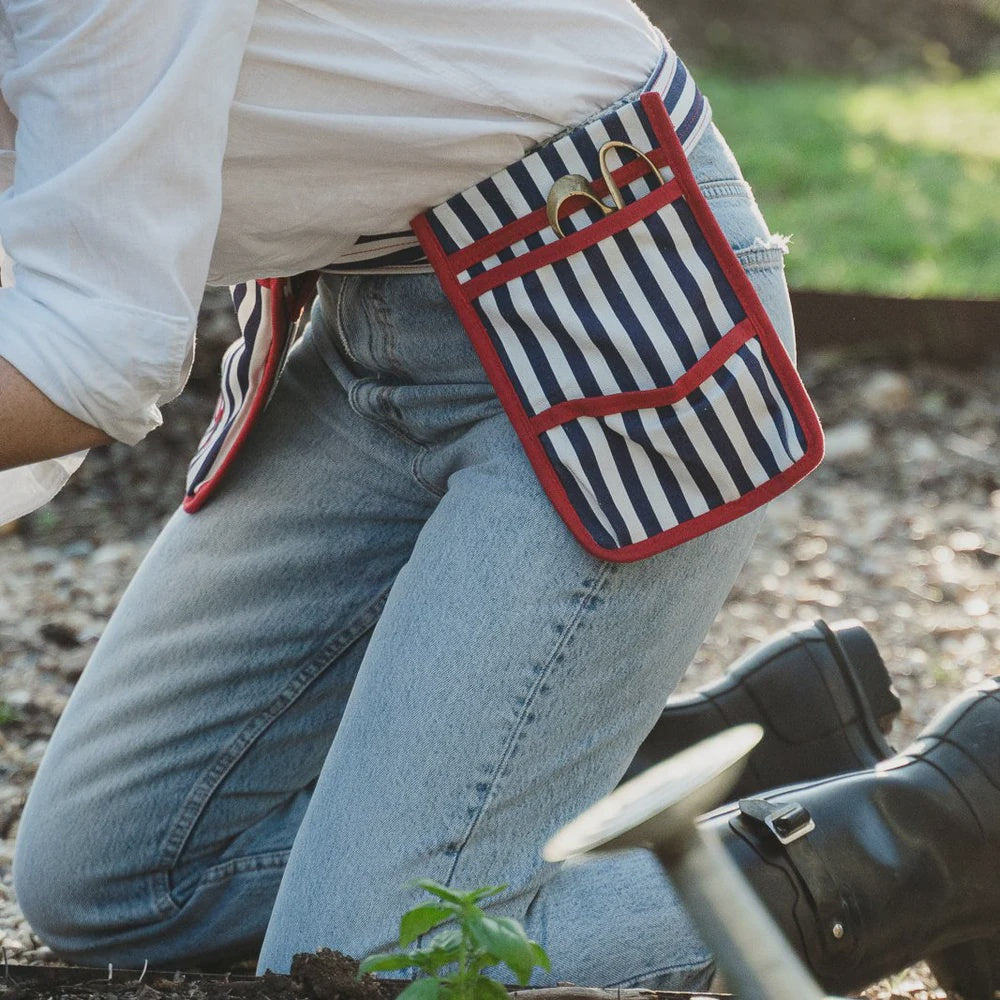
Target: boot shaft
821 693
868 872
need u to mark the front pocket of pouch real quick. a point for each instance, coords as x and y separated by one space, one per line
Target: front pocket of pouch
640 480
632 355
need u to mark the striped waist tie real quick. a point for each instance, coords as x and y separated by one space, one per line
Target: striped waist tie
643 377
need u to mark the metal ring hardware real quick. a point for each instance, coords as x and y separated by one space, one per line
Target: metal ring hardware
602 158
577 186
570 186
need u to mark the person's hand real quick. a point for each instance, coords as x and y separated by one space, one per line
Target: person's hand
33 428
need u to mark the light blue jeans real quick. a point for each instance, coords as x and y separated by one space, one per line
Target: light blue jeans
377 654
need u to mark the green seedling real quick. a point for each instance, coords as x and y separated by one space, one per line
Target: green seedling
473 942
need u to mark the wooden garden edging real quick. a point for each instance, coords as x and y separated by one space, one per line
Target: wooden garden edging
960 332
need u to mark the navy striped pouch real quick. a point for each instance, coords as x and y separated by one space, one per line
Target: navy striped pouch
650 390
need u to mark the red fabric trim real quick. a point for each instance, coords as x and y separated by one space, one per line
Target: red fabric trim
707 521
279 331
601 406
574 242
474 328
535 222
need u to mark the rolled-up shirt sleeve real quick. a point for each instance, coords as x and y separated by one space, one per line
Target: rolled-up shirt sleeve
107 230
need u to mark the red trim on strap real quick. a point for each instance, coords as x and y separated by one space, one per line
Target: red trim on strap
535 222
574 242
641 399
774 349
279 322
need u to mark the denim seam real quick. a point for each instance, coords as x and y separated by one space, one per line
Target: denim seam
381 392
378 309
761 259
421 479
734 188
338 330
606 569
201 792
249 863
706 962
389 427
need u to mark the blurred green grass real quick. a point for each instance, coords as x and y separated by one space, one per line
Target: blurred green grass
890 186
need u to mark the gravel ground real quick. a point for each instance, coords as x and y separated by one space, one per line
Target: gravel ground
900 527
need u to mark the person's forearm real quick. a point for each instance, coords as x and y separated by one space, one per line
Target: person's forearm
33 428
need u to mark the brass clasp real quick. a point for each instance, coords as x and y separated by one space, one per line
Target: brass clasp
570 186
577 186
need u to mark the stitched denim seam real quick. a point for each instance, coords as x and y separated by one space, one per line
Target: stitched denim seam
597 583
339 331
760 258
734 188
383 422
378 310
202 790
387 425
249 863
421 479
647 974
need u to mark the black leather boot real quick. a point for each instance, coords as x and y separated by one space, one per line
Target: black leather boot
821 693
867 873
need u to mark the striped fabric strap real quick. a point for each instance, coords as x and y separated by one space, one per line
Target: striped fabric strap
271 311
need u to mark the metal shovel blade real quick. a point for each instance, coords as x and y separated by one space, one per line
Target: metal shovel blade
659 806
658 810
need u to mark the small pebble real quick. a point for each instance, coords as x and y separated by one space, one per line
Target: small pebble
887 392
849 440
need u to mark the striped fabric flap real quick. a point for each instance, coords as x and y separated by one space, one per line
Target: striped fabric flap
270 313
631 352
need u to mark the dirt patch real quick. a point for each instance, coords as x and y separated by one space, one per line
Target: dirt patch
329 975
325 975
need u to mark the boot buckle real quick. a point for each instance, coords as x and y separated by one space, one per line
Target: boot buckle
787 823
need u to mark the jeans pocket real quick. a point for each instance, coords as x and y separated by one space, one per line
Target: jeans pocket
759 251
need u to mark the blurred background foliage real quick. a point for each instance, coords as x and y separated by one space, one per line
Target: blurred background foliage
870 132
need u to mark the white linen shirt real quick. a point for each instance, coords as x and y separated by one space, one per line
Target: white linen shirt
151 147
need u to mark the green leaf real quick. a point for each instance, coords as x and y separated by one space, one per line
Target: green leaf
478 960
385 962
484 988
442 949
485 892
429 962
450 939
420 920
540 955
504 938
439 890
428 988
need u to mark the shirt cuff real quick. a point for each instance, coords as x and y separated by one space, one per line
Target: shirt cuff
28 487
105 363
